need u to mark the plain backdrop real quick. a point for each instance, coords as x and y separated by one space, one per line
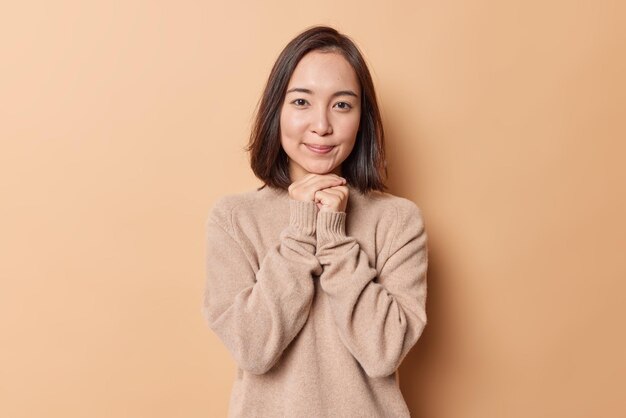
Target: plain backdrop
122 121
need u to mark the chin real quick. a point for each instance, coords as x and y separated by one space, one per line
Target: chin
319 170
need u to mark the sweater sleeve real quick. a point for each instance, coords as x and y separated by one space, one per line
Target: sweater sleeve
257 315
379 317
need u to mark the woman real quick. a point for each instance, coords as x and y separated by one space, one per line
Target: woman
316 281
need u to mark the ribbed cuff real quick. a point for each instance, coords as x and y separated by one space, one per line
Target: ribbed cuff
302 216
331 226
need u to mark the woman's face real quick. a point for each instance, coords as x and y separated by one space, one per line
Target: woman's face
322 108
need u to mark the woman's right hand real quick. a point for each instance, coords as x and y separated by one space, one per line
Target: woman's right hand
305 188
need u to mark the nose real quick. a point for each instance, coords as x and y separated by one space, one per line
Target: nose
321 123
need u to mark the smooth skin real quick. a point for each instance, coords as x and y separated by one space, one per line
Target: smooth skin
322 107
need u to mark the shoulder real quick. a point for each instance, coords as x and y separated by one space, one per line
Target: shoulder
226 206
405 223
248 207
388 205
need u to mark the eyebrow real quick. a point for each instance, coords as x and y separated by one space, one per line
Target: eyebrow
335 94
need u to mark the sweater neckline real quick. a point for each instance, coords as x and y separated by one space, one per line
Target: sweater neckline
276 191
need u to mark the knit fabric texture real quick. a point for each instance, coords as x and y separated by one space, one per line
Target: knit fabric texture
317 309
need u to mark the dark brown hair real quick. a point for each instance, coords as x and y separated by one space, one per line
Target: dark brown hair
365 167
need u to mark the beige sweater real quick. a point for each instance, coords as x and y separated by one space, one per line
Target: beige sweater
318 309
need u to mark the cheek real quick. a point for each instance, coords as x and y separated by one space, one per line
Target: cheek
292 123
350 126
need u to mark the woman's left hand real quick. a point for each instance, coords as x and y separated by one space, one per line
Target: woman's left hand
332 199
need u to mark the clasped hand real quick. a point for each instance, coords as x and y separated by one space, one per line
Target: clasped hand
328 191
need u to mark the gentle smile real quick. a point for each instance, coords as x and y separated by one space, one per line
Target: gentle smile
319 149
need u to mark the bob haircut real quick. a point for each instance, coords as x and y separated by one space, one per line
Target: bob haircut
365 167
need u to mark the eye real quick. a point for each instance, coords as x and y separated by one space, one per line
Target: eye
299 102
344 105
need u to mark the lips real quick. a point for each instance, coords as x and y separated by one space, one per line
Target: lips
320 149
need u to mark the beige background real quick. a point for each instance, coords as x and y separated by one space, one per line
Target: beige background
122 121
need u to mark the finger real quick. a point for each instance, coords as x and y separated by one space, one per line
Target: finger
336 193
322 182
307 179
305 182
327 198
313 182
340 190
